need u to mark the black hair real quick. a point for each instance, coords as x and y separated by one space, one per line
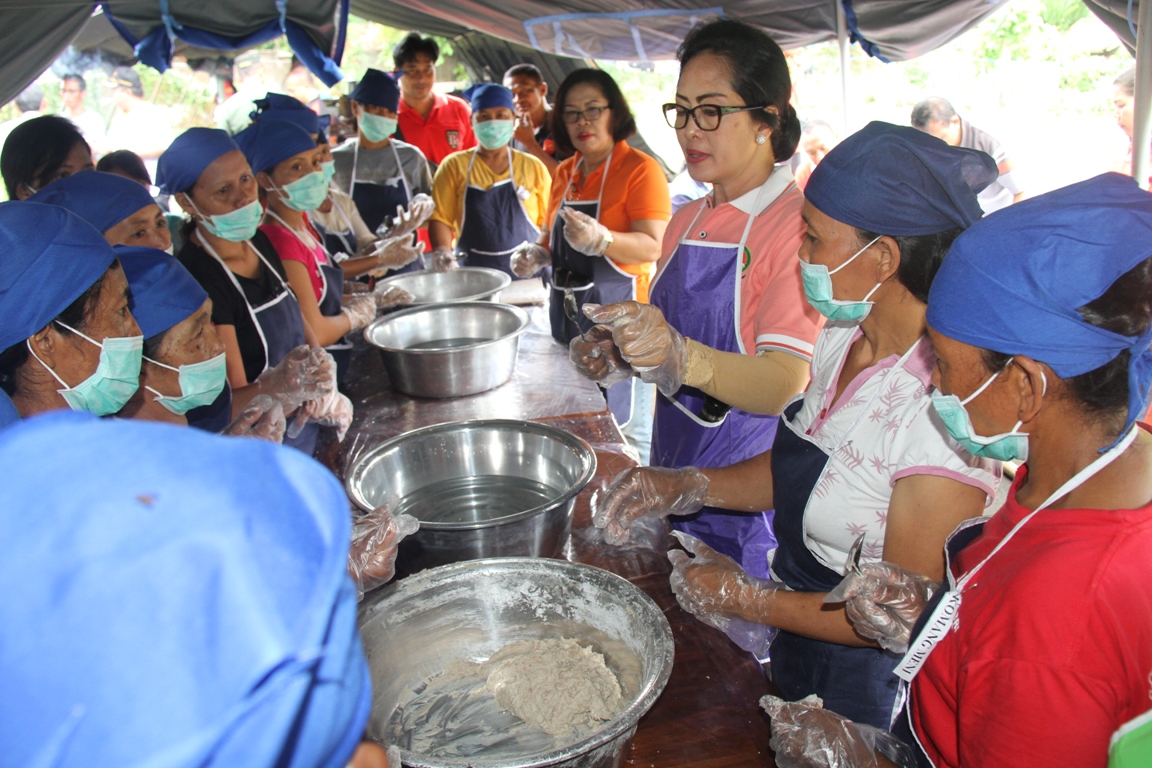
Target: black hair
623 123
412 45
127 163
525 70
1125 308
77 77
35 150
933 109
129 79
920 257
30 99
74 315
1126 81
758 73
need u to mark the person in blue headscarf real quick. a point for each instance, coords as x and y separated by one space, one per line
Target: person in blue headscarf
1038 647
486 209
67 336
120 208
180 599
860 469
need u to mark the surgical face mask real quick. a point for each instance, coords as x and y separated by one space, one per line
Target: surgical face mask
1003 447
493 134
235 226
306 193
116 379
328 168
376 128
200 384
818 290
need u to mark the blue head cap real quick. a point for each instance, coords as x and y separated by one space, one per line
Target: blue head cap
489 95
268 142
1013 282
187 157
278 106
897 180
101 199
378 89
183 600
163 292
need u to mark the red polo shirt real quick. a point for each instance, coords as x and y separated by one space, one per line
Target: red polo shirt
447 129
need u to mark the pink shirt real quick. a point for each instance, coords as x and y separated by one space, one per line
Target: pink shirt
290 248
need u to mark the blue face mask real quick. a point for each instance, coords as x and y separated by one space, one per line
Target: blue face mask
818 290
235 226
115 380
493 134
1003 447
200 384
376 128
306 193
328 168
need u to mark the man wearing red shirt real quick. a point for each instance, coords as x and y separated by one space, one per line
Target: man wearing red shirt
439 125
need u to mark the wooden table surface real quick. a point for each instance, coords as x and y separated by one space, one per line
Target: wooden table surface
708 715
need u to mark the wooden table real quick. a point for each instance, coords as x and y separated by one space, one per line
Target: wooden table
708 716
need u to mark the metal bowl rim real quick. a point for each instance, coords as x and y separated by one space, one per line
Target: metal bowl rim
579 446
623 722
504 280
521 315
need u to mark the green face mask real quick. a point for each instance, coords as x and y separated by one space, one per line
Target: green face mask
234 226
115 380
328 168
493 134
200 384
376 128
306 193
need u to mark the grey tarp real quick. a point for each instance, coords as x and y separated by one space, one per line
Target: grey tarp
32 35
1114 13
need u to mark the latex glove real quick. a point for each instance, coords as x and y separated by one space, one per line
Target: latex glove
883 602
263 417
596 356
375 538
584 233
360 311
389 296
301 376
443 259
654 349
409 220
529 258
335 410
353 287
647 492
715 589
394 253
805 735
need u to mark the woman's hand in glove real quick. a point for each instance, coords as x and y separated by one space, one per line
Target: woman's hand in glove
654 349
334 410
529 258
805 735
301 376
443 259
375 538
263 417
360 311
715 589
584 233
647 492
389 296
596 357
394 253
883 602
409 219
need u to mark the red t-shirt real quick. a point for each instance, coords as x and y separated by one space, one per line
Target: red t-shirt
447 129
1052 650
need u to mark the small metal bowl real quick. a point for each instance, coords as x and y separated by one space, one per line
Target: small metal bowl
449 350
490 488
463 284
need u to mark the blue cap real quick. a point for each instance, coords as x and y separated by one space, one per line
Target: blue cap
50 257
182 600
163 293
186 158
101 199
1013 282
268 142
378 89
897 180
279 106
489 95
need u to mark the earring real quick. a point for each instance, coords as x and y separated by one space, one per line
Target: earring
761 138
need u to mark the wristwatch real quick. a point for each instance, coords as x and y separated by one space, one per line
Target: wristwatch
608 240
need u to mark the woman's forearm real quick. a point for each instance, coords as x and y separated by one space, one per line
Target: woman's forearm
742 487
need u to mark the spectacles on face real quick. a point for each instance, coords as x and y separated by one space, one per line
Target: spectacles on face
591 114
706 116
70 90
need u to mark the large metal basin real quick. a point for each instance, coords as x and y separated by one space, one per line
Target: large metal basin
449 350
491 488
412 628
463 284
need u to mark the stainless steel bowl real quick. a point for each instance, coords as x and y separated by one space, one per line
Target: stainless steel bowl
414 627
463 284
449 350
491 488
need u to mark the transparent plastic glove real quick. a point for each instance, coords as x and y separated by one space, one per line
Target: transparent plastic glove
360 311
528 259
335 410
316 408
263 417
353 287
647 492
805 735
654 349
584 233
375 538
715 589
596 356
883 601
443 259
394 757
301 376
409 219
389 296
394 253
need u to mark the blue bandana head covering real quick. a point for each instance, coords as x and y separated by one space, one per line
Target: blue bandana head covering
187 157
1013 282
278 106
182 600
268 142
897 180
378 89
489 95
163 292
101 199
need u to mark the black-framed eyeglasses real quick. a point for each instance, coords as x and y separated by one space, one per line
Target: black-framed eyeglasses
706 116
591 114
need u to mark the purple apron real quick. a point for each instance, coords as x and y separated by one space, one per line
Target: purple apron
494 222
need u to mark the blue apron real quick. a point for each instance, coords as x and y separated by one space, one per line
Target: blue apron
594 280
698 292
377 202
494 222
339 241
214 417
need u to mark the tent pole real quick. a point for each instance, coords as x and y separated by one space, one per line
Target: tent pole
1142 127
846 63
